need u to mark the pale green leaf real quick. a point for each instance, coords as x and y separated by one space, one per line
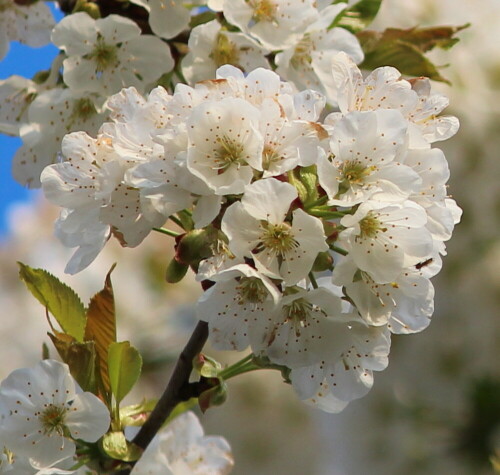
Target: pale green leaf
124 365
59 299
117 447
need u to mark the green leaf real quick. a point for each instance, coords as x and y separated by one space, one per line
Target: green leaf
124 363
101 327
136 414
359 16
405 57
117 447
80 357
404 49
59 299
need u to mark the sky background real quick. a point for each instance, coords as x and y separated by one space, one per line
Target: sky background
23 61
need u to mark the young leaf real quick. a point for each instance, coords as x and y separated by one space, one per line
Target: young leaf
117 447
80 357
101 326
404 49
359 16
124 364
59 299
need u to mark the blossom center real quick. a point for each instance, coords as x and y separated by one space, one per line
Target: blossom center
263 10
370 226
279 238
52 419
353 172
230 152
302 54
269 156
251 289
103 54
225 52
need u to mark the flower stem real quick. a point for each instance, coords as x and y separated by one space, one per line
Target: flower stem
166 231
338 249
243 366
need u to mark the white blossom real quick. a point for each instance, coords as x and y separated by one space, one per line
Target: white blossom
238 308
167 18
383 239
384 88
257 229
53 114
308 62
183 449
274 23
29 24
107 54
225 145
367 149
211 47
46 413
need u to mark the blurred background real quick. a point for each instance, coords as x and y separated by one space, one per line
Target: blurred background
435 410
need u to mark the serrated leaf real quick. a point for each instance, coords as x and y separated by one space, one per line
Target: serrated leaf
358 16
119 448
101 327
59 299
124 365
80 357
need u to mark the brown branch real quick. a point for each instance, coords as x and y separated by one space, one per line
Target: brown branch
173 394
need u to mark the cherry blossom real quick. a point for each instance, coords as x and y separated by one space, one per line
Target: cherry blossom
46 413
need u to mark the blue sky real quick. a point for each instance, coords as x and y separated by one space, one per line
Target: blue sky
23 61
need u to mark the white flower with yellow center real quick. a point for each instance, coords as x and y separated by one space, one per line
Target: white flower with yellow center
308 63
211 47
366 150
107 54
238 308
274 23
225 145
301 327
384 88
258 228
46 413
183 449
383 238
404 305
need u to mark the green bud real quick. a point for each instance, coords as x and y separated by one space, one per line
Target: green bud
206 366
215 396
175 271
92 9
323 261
196 245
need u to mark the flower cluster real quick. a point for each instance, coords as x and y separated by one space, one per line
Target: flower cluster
280 196
100 57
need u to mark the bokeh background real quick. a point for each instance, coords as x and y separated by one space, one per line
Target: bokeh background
435 410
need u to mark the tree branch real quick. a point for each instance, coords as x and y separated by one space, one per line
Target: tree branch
173 392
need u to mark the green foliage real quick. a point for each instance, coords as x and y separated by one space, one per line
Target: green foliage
136 414
59 299
358 16
404 49
124 365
